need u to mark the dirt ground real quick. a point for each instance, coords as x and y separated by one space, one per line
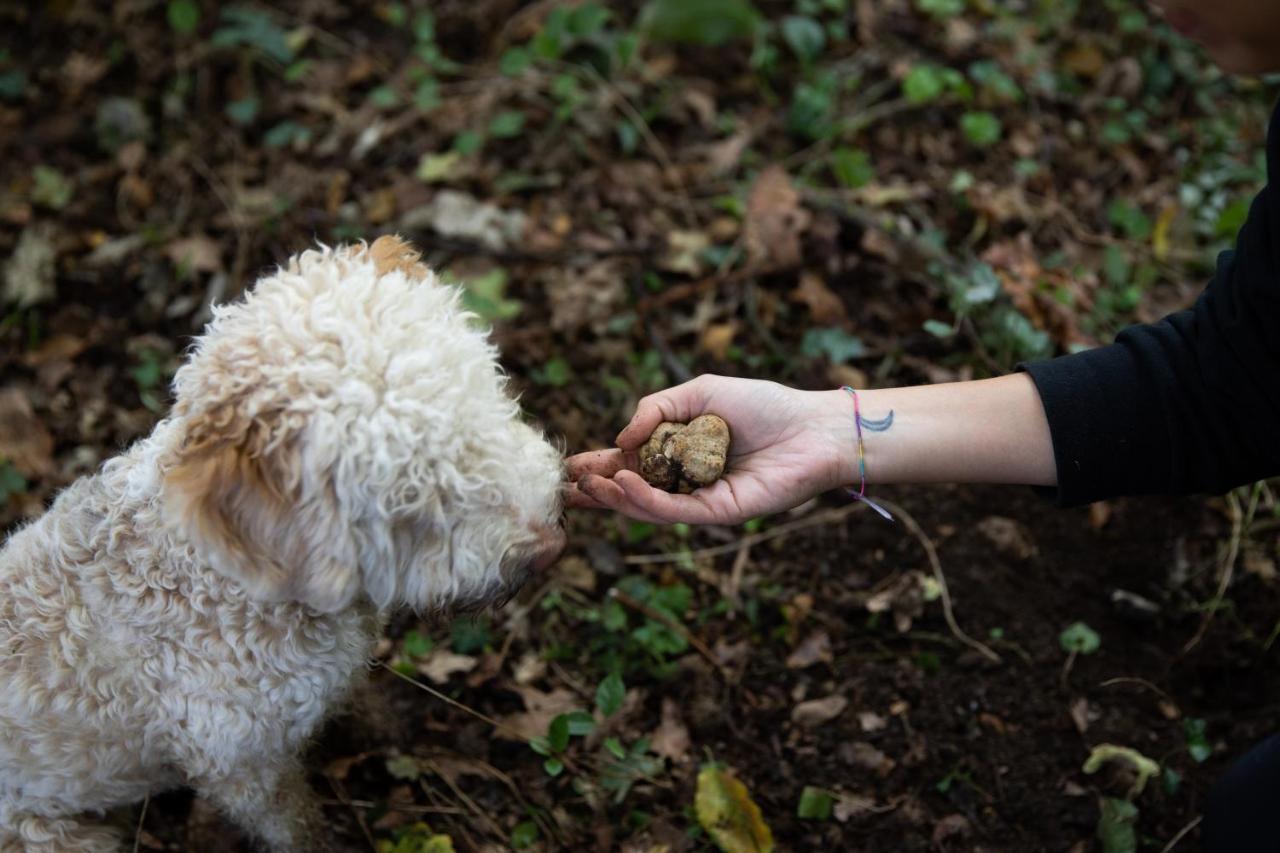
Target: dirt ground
639 225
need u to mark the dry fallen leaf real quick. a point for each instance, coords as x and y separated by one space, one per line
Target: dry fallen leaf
196 253
870 721
29 272
825 307
717 338
684 253
853 806
775 221
24 440
816 648
815 712
862 754
671 738
1009 537
542 708
727 813
442 663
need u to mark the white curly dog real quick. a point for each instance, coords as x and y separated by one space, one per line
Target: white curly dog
342 442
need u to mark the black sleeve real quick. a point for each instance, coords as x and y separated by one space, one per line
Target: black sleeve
1188 404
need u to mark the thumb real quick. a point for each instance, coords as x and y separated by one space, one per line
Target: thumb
681 403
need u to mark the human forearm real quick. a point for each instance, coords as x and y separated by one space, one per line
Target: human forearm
986 431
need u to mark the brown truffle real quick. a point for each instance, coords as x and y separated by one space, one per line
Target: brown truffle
684 457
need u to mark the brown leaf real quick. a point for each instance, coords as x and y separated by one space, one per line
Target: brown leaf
815 712
775 220
1087 60
825 307
870 721
30 272
816 648
671 738
717 338
542 708
853 806
1099 514
197 253
684 252
24 440
862 754
1008 536
56 348
951 826
442 663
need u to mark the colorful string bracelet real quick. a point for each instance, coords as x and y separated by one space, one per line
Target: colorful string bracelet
860 494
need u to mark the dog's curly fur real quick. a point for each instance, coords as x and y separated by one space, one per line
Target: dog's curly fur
341 442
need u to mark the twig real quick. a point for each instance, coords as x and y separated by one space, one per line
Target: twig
454 702
1239 519
137 836
932 553
341 794
1141 682
824 517
658 616
734 591
1182 833
407 808
470 803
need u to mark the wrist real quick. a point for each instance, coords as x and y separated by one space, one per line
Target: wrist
837 439
845 446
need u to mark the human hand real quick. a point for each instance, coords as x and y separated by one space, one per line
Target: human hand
787 446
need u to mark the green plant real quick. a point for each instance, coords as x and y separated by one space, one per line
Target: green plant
12 482
815 804
150 374
981 128
836 344
485 296
1198 745
852 167
1079 638
243 26
710 23
184 16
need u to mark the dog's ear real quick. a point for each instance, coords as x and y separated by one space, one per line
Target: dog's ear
240 492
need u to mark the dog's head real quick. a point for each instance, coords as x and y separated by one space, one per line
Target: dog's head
344 429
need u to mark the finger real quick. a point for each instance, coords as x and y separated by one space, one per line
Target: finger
610 495
669 508
575 498
682 403
606 463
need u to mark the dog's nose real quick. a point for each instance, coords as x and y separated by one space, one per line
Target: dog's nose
551 544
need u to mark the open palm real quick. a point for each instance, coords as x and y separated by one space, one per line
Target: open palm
785 449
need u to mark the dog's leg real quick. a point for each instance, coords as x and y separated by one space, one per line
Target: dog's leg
31 834
272 802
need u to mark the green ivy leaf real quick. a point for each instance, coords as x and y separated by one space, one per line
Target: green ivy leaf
417 644
1117 832
610 694
815 804
836 344
507 124
184 16
558 733
852 167
524 835
11 481
804 36
981 128
710 23
243 111
1080 638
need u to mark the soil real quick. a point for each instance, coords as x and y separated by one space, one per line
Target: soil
931 746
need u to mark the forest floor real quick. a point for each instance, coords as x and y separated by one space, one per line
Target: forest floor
819 192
